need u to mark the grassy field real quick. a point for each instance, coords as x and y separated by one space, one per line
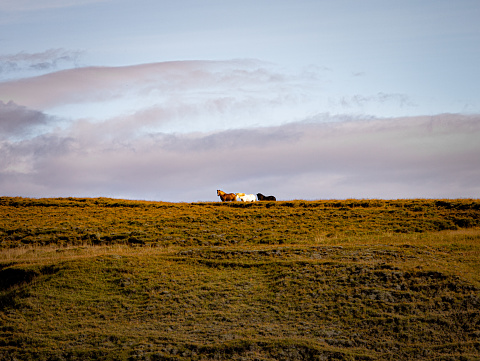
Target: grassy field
108 279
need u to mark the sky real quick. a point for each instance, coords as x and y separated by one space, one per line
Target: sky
306 99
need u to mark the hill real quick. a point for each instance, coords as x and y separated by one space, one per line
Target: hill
112 279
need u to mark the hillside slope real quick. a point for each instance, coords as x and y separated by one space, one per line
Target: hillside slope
326 280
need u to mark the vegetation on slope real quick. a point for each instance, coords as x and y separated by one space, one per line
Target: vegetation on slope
327 280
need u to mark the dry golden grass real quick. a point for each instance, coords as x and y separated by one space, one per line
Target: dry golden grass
52 253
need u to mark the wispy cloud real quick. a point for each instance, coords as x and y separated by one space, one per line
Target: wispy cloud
93 83
355 101
190 94
195 94
37 63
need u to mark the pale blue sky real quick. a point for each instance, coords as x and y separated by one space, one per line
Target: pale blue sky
427 50
192 70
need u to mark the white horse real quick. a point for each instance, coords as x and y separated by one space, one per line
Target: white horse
247 197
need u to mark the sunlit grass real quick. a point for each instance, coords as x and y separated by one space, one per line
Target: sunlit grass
456 252
52 253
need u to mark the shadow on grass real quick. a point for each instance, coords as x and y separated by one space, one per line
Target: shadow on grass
13 280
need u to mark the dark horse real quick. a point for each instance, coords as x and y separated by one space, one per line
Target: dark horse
226 197
261 197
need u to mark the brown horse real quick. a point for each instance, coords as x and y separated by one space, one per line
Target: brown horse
226 197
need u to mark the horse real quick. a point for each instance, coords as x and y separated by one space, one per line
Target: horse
261 197
247 197
226 197
238 195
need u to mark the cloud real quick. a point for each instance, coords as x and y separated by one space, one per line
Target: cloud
187 96
37 63
177 131
359 73
16 120
91 84
355 101
170 96
371 158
